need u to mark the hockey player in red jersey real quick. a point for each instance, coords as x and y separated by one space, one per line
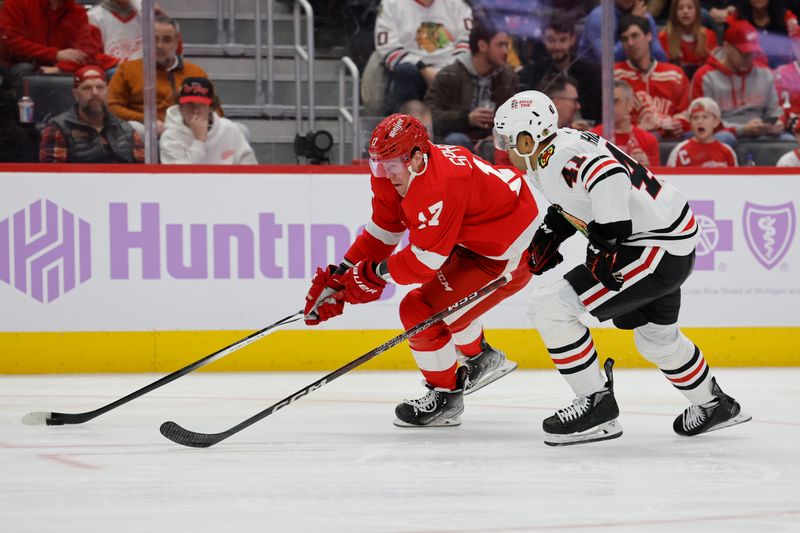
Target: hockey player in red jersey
468 224
642 237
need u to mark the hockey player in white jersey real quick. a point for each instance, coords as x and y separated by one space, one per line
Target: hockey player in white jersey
642 237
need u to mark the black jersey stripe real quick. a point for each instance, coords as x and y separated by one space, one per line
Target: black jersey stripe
590 164
570 347
583 366
646 237
674 225
685 367
607 174
695 383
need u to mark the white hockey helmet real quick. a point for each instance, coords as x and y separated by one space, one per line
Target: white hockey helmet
531 112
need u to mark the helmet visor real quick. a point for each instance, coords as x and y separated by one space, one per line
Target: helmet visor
381 169
501 140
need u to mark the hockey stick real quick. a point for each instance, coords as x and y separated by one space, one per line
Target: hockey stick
185 437
59 419
576 223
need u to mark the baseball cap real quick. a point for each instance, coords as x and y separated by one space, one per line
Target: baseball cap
742 36
88 72
706 104
198 90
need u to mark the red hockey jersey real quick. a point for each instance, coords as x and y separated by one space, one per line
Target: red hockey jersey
691 153
787 82
459 200
663 89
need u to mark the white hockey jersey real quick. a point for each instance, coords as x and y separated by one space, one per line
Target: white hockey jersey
406 31
593 180
122 38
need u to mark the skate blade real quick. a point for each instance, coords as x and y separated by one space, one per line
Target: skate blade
609 430
507 368
446 422
741 418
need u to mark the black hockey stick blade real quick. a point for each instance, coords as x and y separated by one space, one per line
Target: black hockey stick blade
185 437
59 419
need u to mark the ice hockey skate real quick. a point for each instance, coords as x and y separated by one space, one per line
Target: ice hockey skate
439 407
589 419
486 367
721 412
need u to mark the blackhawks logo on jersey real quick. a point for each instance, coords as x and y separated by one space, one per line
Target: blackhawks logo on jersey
544 157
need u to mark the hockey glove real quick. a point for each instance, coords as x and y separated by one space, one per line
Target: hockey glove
601 264
321 303
361 283
543 249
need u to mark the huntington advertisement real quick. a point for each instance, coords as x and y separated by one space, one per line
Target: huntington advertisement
152 252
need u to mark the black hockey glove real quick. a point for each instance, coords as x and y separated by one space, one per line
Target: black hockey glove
601 264
543 249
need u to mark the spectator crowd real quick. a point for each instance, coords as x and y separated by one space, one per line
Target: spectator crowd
696 76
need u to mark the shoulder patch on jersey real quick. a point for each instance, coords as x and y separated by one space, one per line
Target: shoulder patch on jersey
544 157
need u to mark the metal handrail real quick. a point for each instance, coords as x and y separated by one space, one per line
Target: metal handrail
220 22
301 54
346 65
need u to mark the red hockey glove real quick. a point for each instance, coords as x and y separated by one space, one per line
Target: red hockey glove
362 284
601 264
321 301
543 249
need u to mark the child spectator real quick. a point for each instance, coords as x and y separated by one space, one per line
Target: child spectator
194 134
685 40
703 150
640 144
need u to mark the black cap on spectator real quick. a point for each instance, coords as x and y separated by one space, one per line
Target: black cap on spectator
198 90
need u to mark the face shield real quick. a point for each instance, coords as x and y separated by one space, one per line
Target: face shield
501 140
383 168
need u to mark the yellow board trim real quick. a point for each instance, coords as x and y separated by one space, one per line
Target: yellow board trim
166 351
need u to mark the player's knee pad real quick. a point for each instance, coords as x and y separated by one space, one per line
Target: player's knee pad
555 307
664 345
415 309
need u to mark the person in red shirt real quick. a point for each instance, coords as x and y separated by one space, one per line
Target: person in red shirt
685 40
638 143
468 223
50 36
787 83
661 89
703 150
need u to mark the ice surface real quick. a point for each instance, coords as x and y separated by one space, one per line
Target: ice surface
333 461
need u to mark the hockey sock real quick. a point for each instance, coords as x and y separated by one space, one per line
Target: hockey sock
678 358
438 366
576 360
468 340
692 378
444 379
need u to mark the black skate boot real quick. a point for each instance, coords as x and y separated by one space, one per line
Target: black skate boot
721 412
488 366
589 419
440 407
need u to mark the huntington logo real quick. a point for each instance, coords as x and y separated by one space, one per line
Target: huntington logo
769 230
716 235
44 251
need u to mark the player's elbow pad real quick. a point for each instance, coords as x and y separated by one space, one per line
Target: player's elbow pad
610 235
